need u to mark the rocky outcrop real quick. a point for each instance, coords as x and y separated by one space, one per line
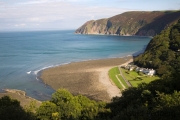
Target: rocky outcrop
131 23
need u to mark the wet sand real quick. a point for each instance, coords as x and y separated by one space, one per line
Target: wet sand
89 78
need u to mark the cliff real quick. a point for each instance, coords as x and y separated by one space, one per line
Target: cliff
131 23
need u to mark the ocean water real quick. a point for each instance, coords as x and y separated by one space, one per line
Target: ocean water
24 54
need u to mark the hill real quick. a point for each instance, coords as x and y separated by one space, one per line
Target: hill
158 99
163 52
131 23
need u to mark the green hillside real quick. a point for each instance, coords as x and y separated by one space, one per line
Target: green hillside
131 23
163 52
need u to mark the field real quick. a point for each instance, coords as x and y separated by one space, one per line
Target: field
115 76
134 78
112 74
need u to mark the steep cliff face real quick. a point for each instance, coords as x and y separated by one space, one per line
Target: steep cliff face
131 23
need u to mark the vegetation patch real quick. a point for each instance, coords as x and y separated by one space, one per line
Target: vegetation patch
115 76
136 78
122 80
112 74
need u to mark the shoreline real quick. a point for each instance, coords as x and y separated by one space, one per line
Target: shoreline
89 77
94 79
39 71
112 35
21 96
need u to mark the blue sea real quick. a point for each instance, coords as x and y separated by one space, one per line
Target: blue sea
24 54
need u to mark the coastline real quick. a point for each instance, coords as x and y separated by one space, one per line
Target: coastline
20 96
89 78
113 34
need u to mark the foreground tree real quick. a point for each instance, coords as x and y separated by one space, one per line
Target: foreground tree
65 106
10 109
48 111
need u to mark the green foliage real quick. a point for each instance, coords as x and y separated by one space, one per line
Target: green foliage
136 78
160 99
156 100
162 52
31 107
61 95
48 111
10 109
68 107
65 106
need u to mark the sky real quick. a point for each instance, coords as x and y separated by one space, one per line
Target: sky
69 14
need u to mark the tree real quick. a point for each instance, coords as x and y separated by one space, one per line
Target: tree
67 106
48 111
10 109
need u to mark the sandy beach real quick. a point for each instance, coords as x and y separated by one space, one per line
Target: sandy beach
89 78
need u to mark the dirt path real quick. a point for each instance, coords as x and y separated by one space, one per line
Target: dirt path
120 81
119 67
111 88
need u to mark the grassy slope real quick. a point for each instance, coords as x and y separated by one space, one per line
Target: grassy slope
122 80
112 74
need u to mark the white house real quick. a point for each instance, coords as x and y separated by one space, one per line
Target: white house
151 72
141 69
146 71
131 68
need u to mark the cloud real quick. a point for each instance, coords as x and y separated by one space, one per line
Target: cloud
48 1
53 14
36 2
20 25
1 3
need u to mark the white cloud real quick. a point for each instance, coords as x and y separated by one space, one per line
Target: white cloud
20 25
62 14
1 3
36 2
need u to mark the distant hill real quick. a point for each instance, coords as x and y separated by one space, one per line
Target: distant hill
131 23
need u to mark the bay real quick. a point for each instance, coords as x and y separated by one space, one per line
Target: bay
24 54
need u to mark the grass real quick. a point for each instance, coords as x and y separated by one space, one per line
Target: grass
122 80
112 74
131 76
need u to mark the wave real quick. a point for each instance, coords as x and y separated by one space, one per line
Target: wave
36 72
51 66
28 72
